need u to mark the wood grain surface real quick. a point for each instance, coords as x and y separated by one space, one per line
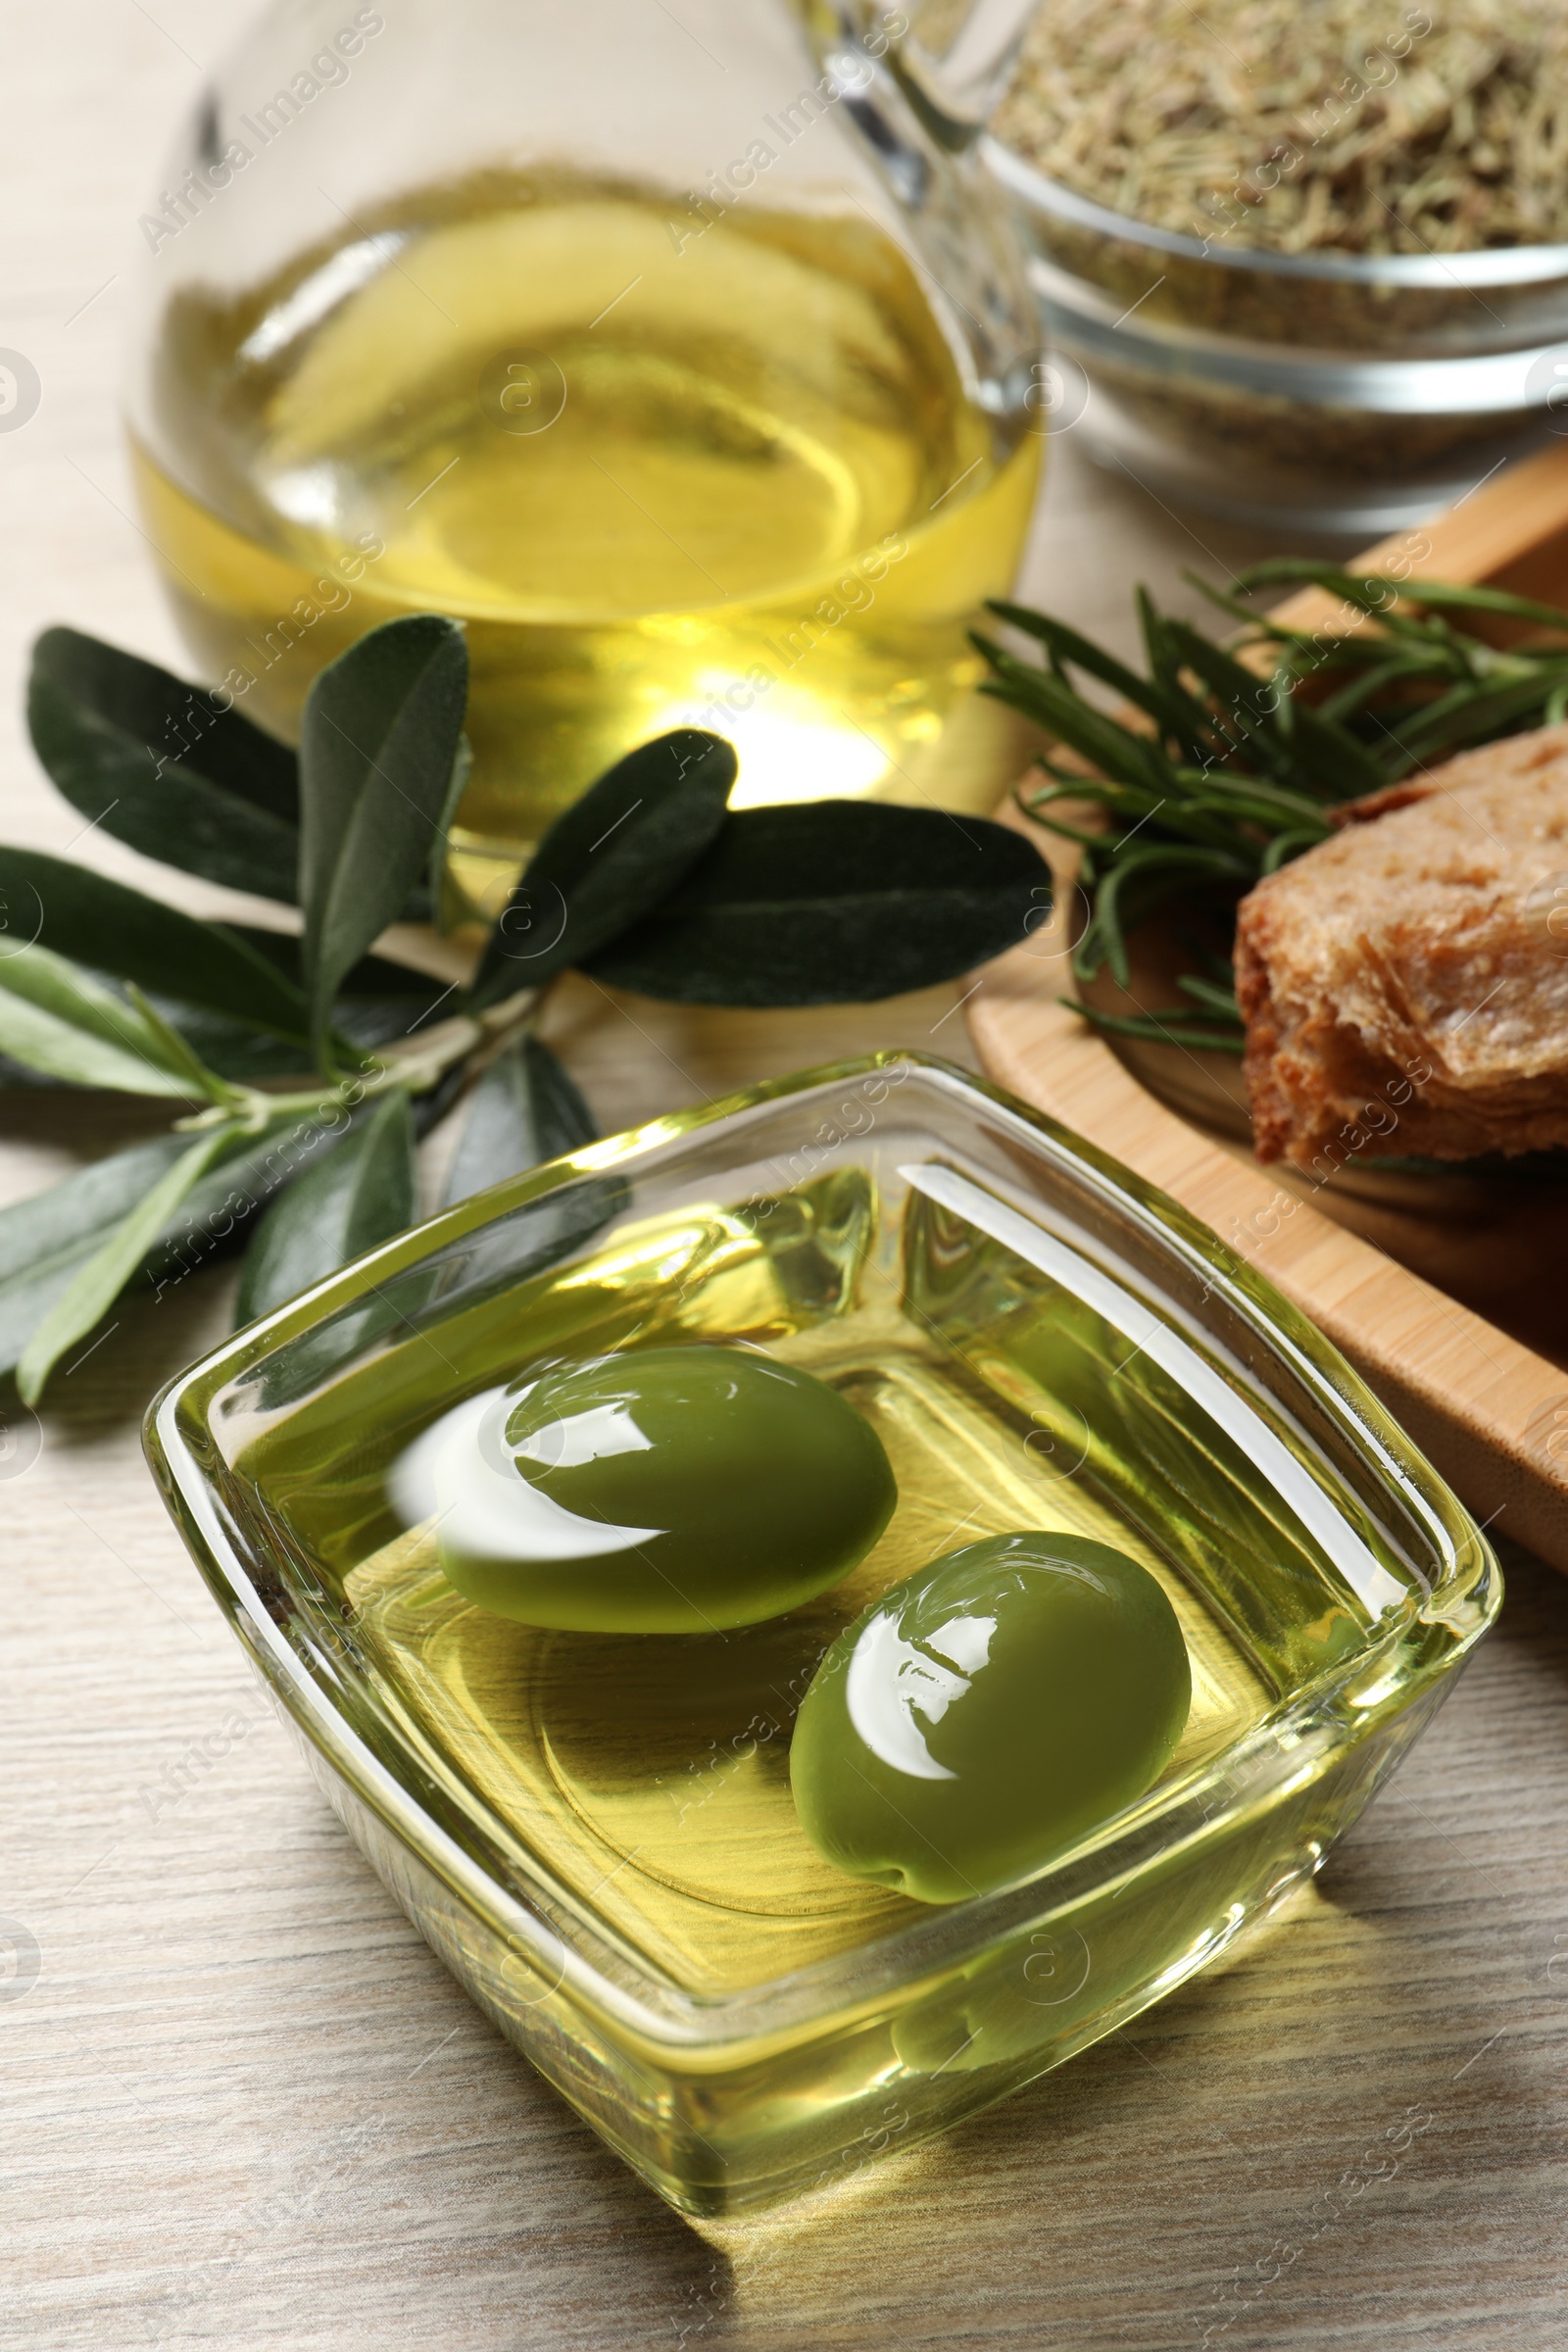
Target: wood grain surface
245 2106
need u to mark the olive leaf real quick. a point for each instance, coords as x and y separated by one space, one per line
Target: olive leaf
363 1193
377 756
77 912
833 902
434 886
367 1015
216 1216
524 1110
170 770
46 1240
607 859
377 1000
373 976
57 1019
96 1283
181 1055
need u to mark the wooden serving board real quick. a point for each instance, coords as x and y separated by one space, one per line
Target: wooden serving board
1491 1410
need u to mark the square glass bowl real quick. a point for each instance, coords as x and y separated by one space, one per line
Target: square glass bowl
596 1834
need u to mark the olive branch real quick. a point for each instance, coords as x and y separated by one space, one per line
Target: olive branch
308 1065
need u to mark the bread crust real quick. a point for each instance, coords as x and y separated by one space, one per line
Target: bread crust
1405 984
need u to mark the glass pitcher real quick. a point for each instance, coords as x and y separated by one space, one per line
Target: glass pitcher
674 349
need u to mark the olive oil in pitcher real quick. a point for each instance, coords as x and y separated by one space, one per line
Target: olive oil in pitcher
672 462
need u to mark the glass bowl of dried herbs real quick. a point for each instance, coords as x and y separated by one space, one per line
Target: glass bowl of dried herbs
1311 262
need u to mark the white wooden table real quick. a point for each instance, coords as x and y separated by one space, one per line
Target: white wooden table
244 2105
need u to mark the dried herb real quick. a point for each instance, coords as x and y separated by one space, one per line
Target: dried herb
1339 126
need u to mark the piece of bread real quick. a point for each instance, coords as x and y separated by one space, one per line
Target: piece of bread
1406 984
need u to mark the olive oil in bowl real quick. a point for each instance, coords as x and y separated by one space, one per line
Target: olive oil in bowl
672 466
652 1770
597 1831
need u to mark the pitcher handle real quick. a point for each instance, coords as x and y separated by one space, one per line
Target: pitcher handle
956 54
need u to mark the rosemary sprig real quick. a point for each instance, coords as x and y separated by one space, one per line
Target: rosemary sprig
1223 768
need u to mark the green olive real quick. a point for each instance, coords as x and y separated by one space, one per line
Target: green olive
669 1491
987 1712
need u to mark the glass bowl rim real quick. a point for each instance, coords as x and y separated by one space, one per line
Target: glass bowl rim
641 1997
1456 273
